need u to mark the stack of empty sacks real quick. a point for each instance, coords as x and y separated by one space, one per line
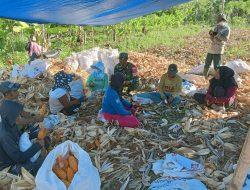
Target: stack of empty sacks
237 65
84 59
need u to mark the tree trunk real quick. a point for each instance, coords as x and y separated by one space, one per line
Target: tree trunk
114 34
85 37
93 37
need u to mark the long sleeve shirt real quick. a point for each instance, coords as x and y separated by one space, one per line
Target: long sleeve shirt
129 71
114 104
100 84
170 85
10 153
35 48
219 40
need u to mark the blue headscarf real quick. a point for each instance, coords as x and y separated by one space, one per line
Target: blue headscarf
98 70
62 80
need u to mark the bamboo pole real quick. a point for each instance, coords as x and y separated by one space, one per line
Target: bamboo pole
85 36
42 40
223 6
93 37
114 34
242 166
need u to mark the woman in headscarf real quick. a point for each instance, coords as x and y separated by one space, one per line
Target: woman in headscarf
114 107
10 154
97 81
222 88
59 97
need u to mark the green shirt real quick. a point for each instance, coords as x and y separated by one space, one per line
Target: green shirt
99 84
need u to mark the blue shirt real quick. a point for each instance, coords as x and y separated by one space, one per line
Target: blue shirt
113 104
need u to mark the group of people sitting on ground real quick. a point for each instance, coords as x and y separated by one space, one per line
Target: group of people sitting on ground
67 94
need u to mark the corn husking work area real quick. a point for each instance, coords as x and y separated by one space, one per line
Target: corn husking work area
124 157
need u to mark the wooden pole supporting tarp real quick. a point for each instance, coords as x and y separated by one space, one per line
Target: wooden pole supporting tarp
242 166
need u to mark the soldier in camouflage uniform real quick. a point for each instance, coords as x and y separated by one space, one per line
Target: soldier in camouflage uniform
129 71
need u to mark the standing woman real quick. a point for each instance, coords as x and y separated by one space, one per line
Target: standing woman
114 107
59 97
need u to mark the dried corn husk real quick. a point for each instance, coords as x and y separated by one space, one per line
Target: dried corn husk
124 155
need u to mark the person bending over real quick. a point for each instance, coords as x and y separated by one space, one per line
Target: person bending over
114 107
59 96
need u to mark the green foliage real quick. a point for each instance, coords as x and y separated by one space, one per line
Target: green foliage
167 27
238 11
172 37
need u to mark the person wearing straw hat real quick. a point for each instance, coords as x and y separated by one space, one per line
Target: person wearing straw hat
219 37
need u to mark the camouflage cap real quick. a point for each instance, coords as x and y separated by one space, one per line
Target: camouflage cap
123 55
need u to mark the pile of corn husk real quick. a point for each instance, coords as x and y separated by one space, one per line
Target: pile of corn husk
124 156
12 182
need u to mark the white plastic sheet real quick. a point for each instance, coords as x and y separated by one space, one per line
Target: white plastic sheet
100 116
17 71
188 88
195 79
238 65
31 70
52 120
25 144
142 100
87 177
179 184
177 166
198 70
